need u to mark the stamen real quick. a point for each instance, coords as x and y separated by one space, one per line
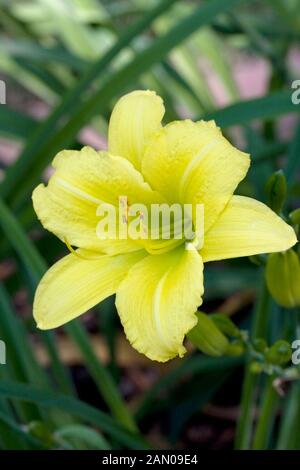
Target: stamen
164 247
125 204
143 225
72 251
79 255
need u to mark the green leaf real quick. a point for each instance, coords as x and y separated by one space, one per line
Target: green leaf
15 438
35 52
293 157
32 154
270 106
31 78
113 85
191 366
15 124
21 356
82 434
36 267
100 375
21 244
214 49
77 408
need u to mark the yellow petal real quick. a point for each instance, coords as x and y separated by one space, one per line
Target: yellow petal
157 302
74 284
82 180
135 119
246 227
193 163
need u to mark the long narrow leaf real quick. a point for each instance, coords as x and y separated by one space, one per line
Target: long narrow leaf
116 83
76 408
36 266
270 106
15 124
44 133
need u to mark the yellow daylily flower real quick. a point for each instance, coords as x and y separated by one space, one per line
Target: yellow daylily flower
158 283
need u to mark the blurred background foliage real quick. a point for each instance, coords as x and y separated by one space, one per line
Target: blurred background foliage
65 63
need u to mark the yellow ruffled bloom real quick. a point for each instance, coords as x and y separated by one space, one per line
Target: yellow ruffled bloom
184 162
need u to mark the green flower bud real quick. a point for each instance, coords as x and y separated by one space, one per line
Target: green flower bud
295 217
207 337
260 345
235 348
276 191
256 367
283 278
225 325
280 353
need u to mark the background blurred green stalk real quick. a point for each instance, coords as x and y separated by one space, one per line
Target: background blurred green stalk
244 426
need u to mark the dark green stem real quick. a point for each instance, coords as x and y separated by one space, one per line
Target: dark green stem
266 418
289 430
244 427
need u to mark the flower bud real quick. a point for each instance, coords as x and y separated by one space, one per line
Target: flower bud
276 191
260 345
225 324
256 367
295 216
235 348
280 353
207 337
283 278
